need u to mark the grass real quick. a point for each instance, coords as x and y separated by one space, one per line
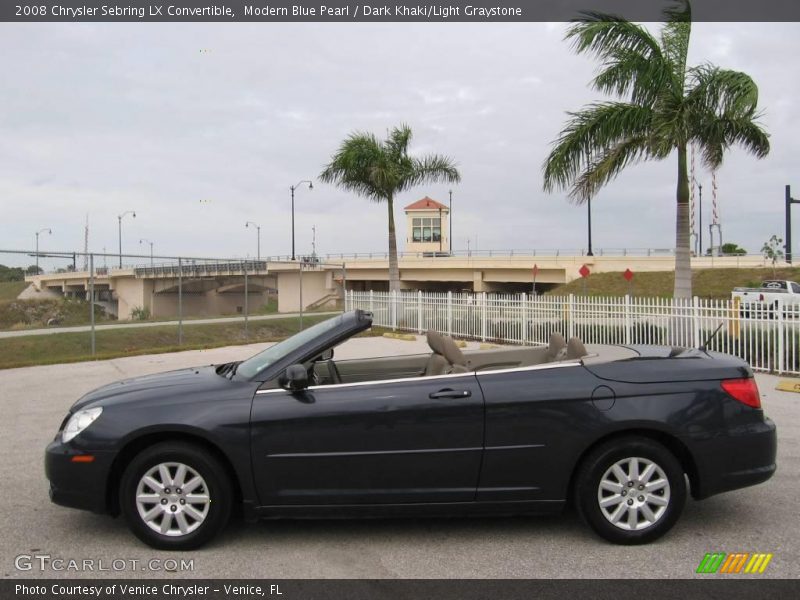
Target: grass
706 283
9 290
76 347
26 314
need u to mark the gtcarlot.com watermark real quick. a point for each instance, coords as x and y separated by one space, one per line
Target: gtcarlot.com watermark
48 563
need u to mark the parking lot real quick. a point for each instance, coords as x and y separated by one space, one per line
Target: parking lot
759 519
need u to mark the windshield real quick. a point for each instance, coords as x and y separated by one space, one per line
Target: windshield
256 363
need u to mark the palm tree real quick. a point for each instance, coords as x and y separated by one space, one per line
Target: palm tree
667 106
381 169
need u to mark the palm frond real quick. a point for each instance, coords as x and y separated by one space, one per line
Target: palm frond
432 168
588 133
675 37
603 35
716 134
722 91
608 165
628 73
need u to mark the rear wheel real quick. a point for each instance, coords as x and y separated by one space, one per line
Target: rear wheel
175 496
630 490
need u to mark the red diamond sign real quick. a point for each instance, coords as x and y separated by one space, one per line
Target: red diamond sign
584 271
628 274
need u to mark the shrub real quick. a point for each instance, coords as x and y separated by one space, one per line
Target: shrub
140 313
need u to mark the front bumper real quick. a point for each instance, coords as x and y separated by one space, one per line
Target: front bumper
80 485
738 459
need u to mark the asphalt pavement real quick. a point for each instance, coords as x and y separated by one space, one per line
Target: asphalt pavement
35 399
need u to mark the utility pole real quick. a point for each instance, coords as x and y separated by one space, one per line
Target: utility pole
589 205
700 219
450 219
789 201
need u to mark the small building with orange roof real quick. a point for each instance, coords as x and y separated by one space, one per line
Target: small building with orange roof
427 227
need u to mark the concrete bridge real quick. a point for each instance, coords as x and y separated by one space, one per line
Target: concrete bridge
209 288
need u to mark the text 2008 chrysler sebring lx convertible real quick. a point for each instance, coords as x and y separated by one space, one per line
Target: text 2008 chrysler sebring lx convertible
292 433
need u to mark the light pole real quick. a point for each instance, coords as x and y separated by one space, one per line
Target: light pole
143 240
700 222
49 232
589 205
119 219
450 222
258 234
293 188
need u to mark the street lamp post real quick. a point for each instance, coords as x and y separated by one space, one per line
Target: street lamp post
258 235
700 221
589 205
49 232
450 222
143 240
293 188
119 220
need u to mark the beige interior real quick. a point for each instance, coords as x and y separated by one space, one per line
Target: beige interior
446 357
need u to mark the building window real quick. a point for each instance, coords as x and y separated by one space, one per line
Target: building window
426 230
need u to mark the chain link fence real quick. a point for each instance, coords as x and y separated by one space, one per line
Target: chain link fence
112 303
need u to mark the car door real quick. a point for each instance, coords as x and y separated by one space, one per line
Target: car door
395 441
538 421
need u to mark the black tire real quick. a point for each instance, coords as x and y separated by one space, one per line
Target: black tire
216 486
593 469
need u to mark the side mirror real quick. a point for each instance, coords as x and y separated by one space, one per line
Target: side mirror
295 378
327 355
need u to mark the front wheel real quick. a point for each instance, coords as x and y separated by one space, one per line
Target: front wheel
175 496
630 490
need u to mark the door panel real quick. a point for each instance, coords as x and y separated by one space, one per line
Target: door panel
416 440
388 367
537 424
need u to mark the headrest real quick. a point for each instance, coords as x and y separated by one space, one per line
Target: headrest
556 346
453 353
437 365
435 341
575 348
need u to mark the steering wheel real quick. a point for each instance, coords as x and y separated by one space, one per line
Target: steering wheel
333 371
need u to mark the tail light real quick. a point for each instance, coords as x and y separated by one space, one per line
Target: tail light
743 390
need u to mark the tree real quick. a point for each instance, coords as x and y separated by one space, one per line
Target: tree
732 249
381 169
34 270
667 106
773 252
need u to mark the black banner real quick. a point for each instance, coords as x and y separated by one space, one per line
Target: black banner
714 588
384 11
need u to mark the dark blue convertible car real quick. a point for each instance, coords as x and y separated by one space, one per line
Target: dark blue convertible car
623 433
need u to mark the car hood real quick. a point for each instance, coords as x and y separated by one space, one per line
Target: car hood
172 384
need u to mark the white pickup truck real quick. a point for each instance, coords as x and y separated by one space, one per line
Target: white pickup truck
771 295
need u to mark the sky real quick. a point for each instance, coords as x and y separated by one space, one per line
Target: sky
200 128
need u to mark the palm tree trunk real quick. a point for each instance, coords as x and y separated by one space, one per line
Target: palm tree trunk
683 260
394 270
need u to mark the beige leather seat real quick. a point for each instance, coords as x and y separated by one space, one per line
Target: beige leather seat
447 356
575 349
454 356
557 348
437 364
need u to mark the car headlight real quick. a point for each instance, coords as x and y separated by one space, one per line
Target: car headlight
80 421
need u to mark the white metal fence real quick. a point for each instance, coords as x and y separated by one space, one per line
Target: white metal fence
768 337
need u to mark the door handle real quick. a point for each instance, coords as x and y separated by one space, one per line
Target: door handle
448 393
